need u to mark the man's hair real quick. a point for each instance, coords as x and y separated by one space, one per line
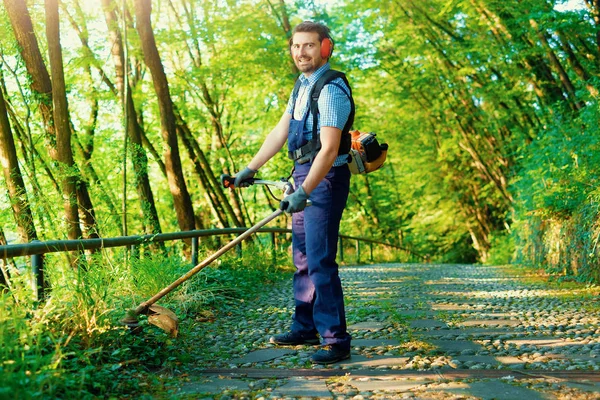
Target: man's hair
310 26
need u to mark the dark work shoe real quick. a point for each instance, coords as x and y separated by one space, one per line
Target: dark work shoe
293 339
330 354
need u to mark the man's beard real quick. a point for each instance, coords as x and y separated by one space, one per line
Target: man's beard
309 66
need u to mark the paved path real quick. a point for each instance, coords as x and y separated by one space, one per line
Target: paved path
419 331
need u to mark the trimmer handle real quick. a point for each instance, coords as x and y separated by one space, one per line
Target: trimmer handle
228 181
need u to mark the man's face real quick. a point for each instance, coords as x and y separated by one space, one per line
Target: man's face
306 52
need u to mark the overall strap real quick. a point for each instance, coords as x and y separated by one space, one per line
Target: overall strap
295 94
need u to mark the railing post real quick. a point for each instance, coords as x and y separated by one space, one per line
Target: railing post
341 250
195 250
38 281
238 250
358 251
273 247
135 251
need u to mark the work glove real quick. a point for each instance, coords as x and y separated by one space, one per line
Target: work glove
294 202
242 176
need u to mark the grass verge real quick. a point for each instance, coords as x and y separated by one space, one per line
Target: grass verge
73 346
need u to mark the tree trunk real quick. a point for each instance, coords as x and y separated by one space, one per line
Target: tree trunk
139 158
4 263
594 6
555 62
216 207
284 21
215 109
581 72
83 34
22 133
150 147
181 196
211 184
34 62
63 154
27 145
73 188
572 57
17 193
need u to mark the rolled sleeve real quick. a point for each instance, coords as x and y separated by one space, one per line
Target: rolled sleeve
334 105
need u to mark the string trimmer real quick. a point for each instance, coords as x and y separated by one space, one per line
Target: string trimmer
165 318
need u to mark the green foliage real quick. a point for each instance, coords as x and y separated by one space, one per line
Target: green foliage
559 170
153 272
27 354
557 205
502 250
489 108
73 344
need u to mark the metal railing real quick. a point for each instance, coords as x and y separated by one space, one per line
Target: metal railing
38 249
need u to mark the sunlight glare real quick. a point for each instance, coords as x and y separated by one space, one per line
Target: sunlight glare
570 5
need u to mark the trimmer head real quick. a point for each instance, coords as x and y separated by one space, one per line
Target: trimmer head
159 316
164 318
132 322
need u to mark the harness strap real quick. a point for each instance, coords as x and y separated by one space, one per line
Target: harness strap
314 145
301 154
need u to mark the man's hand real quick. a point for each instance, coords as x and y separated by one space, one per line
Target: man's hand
294 202
242 176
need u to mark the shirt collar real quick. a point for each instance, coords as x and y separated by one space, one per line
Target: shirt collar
315 75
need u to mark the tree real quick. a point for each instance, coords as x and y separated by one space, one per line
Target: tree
54 110
177 185
139 158
17 191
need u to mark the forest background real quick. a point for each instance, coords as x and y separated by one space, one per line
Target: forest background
117 118
490 109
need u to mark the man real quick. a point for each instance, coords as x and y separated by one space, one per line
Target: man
323 177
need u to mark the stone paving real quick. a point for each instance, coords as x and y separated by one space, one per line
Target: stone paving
423 331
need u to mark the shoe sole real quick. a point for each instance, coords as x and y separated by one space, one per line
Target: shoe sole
347 356
310 341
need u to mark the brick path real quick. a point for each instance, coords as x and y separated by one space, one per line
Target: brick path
421 331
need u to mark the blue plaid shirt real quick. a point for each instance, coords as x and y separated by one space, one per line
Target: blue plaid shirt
334 105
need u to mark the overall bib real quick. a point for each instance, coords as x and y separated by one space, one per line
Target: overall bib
317 287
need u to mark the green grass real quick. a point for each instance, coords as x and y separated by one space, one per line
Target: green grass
72 345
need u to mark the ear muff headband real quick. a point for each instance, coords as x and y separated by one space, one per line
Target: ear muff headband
326 48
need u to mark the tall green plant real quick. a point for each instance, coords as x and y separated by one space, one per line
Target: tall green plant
557 203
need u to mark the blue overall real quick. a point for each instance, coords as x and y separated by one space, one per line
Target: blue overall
317 286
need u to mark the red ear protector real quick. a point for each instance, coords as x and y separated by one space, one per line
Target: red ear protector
326 48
